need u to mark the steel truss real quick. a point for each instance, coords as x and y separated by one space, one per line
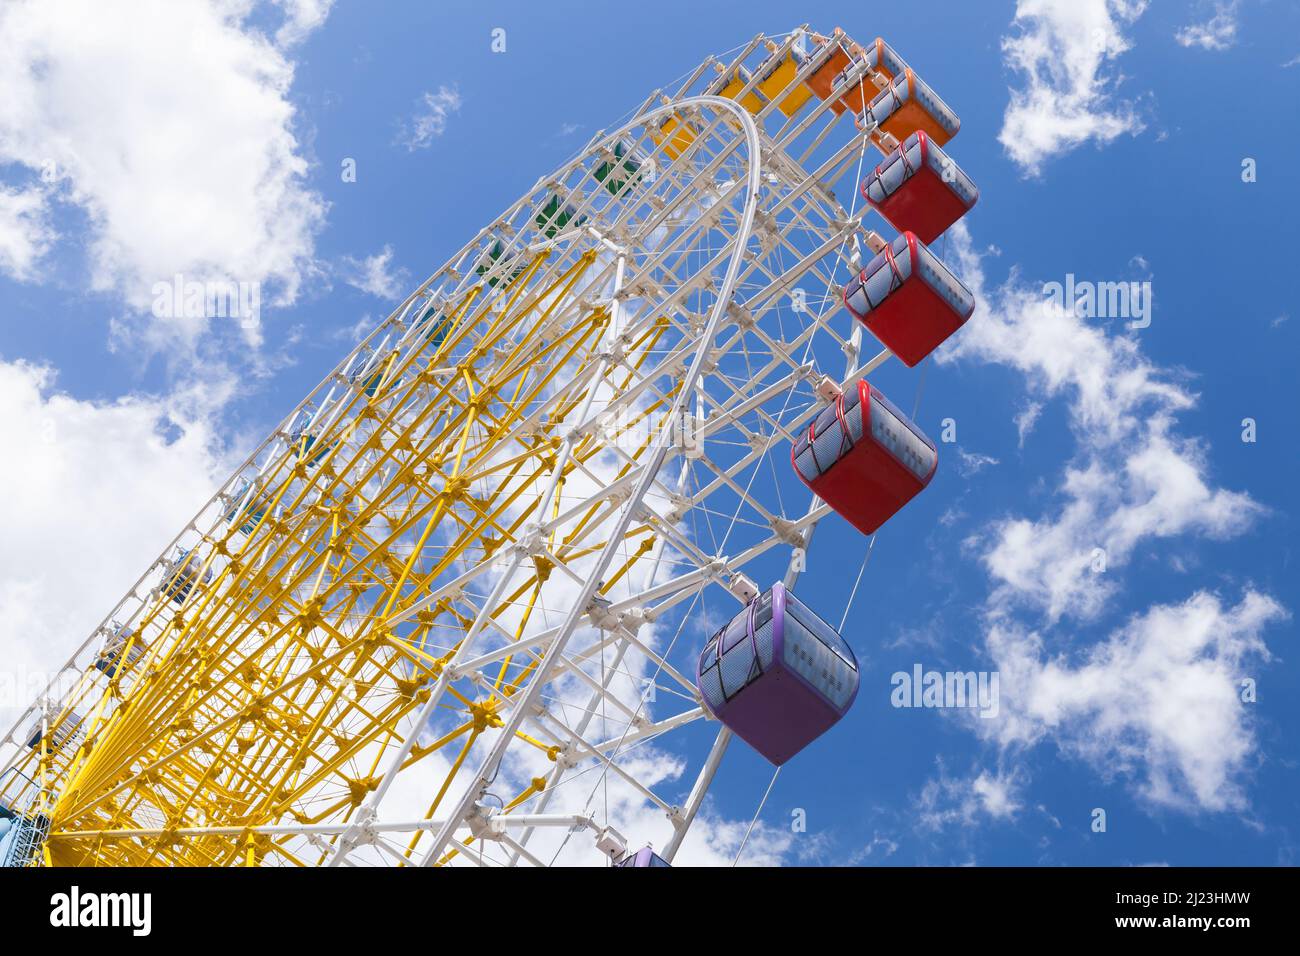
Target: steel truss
441 603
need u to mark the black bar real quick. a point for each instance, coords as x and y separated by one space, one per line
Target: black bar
248 907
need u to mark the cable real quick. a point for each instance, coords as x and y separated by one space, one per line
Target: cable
754 821
852 594
916 405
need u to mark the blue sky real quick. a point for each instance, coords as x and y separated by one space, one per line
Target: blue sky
1108 142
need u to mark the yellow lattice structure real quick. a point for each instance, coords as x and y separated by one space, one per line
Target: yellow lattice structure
430 607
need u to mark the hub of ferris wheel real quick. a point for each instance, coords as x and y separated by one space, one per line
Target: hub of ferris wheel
448 613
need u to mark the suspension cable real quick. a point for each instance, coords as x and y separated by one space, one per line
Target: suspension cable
761 804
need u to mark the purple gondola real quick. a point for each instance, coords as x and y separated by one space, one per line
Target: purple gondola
643 857
777 675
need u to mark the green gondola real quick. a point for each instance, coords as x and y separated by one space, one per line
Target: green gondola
439 325
555 216
616 176
494 256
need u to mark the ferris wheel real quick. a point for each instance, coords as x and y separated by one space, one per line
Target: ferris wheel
505 587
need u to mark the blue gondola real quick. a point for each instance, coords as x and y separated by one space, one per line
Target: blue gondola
119 650
248 509
305 446
182 575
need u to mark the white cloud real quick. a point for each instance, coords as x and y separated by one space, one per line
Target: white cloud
169 127
879 844
972 462
102 488
301 17
1026 419
1219 32
25 233
1133 480
430 119
1114 503
357 331
1157 700
1062 49
375 274
966 801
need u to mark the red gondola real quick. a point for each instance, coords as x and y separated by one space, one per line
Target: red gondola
918 188
908 299
864 457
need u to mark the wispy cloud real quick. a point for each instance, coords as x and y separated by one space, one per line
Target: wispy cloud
1061 50
355 332
1134 477
301 18
972 462
878 850
25 232
984 795
1157 701
1219 32
430 118
1026 419
374 275
1154 698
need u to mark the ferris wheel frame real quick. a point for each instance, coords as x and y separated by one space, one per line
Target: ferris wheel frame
765 158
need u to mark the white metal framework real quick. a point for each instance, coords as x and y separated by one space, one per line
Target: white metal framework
447 614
